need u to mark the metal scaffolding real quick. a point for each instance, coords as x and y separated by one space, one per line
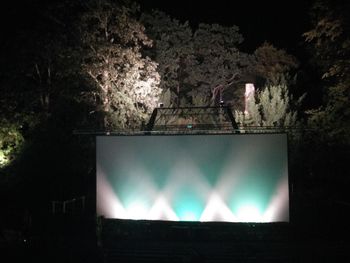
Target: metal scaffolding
192 118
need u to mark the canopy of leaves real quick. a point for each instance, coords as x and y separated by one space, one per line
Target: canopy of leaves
126 83
11 141
330 43
273 64
197 67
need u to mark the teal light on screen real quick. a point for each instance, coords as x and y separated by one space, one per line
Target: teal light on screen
231 178
188 206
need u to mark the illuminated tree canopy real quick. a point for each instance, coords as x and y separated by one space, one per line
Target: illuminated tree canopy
126 82
11 140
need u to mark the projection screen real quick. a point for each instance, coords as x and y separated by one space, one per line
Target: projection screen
227 177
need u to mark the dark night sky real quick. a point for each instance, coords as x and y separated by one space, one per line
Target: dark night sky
279 22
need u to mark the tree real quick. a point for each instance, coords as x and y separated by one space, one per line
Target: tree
11 141
273 64
40 106
330 44
33 76
125 82
172 50
325 156
197 67
272 107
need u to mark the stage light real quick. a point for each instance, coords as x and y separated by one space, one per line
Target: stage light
193 178
137 210
117 209
217 210
276 210
161 210
188 216
110 205
249 213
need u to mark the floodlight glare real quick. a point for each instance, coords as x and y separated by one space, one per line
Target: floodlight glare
227 177
249 213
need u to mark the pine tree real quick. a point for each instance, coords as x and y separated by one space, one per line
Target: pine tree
272 108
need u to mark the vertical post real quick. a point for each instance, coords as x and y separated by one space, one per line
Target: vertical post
248 96
232 118
150 124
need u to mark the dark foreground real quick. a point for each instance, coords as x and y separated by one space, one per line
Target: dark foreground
81 238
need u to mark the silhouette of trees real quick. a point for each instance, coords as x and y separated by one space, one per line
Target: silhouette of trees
330 44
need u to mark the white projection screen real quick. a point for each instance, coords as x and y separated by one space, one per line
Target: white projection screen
226 177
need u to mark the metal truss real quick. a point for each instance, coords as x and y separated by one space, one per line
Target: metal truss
194 120
191 118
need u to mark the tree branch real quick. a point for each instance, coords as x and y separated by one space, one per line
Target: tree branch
96 80
38 72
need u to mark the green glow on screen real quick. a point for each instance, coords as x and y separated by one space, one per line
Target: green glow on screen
231 178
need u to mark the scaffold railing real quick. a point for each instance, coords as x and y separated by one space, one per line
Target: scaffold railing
194 120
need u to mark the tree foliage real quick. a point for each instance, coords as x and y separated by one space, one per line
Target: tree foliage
273 64
197 67
11 141
126 83
330 43
272 107
33 77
